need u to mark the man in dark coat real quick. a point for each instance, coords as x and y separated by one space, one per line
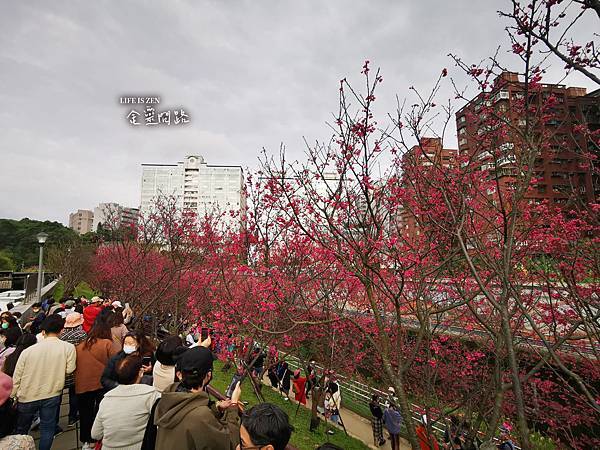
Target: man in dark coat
186 418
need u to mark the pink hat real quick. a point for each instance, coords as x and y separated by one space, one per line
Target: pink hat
6 385
73 320
296 373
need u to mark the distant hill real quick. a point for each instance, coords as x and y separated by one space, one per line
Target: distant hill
18 242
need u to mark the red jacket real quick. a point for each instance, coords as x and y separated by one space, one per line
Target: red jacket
89 316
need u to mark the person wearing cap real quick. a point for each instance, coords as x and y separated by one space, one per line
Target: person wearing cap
69 308
38 317
265 426
74 334
8 419
116 304
39 379
186 418
392 419
90 313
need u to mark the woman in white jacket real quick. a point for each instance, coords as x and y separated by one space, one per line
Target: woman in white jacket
124 411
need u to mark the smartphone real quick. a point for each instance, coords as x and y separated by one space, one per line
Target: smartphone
146 361
203 334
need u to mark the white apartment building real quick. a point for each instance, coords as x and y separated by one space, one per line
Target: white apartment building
114 215
197 186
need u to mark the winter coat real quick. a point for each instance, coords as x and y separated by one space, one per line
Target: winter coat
392 420
185 420
91 362
123 415
109 376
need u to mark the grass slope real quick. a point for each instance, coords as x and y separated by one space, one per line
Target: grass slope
302 438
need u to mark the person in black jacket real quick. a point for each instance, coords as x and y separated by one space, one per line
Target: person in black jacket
377 421
285 380
134 343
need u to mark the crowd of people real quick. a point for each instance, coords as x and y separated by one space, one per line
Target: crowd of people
128 391
125 390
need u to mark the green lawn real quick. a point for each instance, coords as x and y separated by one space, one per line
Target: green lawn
302 438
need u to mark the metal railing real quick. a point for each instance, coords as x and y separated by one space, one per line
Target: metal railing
356 397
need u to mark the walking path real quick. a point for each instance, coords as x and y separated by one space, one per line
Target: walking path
357 426
360 428
69 438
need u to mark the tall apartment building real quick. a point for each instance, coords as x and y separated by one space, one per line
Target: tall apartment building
558 166
114 215
429 153
81 221
197 186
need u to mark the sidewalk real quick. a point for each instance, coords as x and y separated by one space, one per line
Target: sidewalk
360 428
69 438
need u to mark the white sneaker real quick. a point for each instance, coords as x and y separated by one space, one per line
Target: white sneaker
87 446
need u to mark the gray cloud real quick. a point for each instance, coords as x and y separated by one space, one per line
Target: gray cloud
251 74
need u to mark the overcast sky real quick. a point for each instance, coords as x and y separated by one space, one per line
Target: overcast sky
251 74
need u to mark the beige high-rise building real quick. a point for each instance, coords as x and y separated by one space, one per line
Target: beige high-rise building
81 221
114 215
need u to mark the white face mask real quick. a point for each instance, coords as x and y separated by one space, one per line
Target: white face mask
128 349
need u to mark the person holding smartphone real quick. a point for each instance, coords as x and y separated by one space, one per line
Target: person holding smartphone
184 417
134 343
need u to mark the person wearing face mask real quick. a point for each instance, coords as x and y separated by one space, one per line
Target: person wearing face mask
9 321
124 411
9 338
93 355
134 343
39 379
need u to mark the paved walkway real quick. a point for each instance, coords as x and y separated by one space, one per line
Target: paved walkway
69 439
357 426
360 428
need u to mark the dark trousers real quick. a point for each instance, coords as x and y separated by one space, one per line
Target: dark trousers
48 410
395 441
73 407
73 411
88 403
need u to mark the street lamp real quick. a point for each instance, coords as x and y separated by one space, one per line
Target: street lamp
41 238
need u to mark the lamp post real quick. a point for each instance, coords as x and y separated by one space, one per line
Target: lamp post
41 238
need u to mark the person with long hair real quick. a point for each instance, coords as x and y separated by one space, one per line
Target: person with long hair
26 340
118 329
93 355
376 421
134 343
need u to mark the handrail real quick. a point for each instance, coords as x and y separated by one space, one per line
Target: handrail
363 392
